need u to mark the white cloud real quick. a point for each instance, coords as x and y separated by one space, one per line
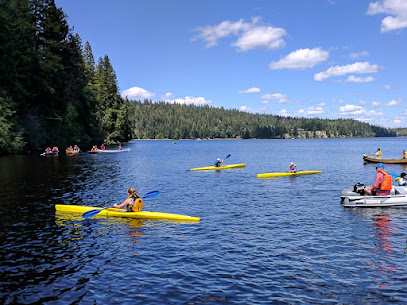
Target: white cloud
301 59
250 35
353 110
358 55
265 102
357 67
313 110
387 87
276 96
250 90
397 9
376 104
355 79
246 108
167 96
190 100
396 122
261 37
389 104
283 112
137 93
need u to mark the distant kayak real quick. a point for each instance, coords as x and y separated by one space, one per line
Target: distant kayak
275 175
108 151
50 153
113 212
206 168
72 152
388 161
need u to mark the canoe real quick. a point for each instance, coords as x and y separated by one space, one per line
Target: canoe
72 152
113 212
275 175
389 161
206 168
113 150
50 153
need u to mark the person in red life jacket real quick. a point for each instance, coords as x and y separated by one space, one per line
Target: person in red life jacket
102 147
55 148
293 168
48 149
382 184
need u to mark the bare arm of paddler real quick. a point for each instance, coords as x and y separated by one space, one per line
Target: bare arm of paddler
123 204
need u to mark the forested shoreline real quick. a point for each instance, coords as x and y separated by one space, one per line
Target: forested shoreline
52 92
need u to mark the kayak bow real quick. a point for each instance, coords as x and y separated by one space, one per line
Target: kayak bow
275 175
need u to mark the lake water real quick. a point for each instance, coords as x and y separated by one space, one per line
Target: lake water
259 241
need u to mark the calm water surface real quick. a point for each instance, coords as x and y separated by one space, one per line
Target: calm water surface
259 241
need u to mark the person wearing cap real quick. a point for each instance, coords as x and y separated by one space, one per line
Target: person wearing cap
293 168
402 180
380 186
218 162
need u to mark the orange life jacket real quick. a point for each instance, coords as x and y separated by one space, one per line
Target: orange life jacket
136 204
386 184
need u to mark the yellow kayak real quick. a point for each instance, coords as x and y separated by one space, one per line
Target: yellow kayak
206 168
274 175
113 212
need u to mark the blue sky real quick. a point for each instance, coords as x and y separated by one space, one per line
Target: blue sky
320 58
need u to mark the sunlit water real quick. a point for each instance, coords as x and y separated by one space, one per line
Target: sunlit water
259 241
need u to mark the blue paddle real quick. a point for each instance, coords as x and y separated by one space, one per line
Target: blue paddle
95 212
226 157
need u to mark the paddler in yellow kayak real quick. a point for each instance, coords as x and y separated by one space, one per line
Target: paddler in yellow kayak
133 203
293 168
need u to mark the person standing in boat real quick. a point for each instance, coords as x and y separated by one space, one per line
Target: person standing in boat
402 180
378 154
133 203
382 184
293 168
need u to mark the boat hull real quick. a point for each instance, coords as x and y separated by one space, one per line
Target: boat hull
387 161
352 199
109 151
218 168
276 175
113 212
69 153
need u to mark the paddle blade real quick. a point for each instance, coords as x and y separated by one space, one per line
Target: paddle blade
227 157
150 194
91 213
394 175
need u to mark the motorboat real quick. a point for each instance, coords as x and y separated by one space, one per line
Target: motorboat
354 196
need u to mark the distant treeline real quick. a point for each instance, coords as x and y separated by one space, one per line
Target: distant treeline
174 121
52 92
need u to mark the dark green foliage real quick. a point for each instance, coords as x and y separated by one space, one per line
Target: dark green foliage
164 120
50 91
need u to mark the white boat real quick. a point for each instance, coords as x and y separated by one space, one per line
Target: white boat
108 151
354 196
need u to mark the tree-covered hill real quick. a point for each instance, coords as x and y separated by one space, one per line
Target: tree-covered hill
166 120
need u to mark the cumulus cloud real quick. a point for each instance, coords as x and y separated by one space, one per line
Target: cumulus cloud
312 110
355 79
137 93
276 96
167 96
250 90
283 112
396 122
397 11
190 100
389 104
354 110
301 59
357 67
358 55
250 34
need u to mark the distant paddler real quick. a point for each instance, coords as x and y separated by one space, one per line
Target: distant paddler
94 148
293 168
377 154
404 155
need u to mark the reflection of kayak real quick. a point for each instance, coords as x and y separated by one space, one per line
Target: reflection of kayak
274 175
112 212
388 161
218 168
113 150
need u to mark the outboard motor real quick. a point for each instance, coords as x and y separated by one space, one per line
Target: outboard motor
359 188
